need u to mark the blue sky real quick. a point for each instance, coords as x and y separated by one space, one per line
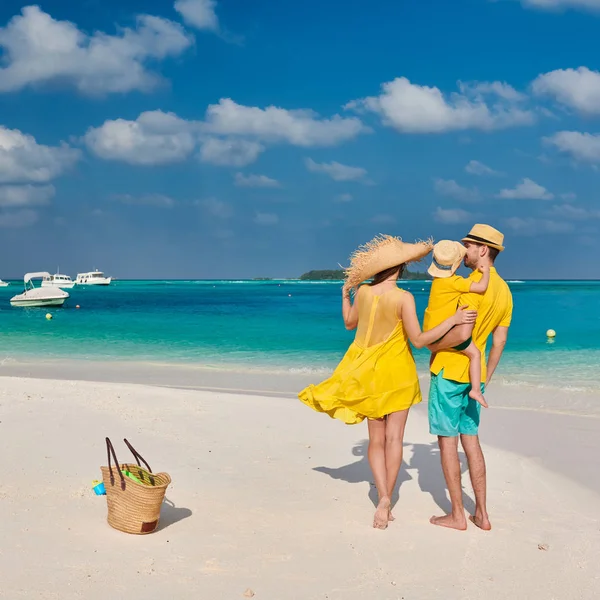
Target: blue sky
227 138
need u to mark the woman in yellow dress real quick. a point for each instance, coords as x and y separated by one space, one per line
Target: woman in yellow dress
377 378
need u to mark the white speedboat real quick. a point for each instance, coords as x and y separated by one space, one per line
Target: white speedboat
92 278
32 296
4 283
59 281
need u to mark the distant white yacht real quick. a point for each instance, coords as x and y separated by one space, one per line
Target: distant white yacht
4 283
92 278
59 281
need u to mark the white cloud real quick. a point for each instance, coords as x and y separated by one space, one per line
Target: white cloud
229 152
336 170
449 187
343 198
575 88
261 181
569 196
199 13
412 108
561 4
498 88
216 208
26 195
526 190
156 200
154 138
531 227
474 167
573 213
19 218
581 146
272 124
266 219
39 49
451 216
231 135
22 159
383 219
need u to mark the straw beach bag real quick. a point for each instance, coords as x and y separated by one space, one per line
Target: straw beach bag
133 493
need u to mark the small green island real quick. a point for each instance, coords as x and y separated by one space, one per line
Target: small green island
338 275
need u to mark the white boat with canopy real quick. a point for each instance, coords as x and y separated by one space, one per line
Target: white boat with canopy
41 296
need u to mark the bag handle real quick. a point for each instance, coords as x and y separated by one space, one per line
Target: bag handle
110 450
137 456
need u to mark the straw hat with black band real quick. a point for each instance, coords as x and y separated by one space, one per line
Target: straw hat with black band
381 253
486 235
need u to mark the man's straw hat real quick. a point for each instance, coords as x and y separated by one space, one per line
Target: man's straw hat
447 256
486 235
381 253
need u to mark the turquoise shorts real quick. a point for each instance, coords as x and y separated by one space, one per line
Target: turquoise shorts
451 411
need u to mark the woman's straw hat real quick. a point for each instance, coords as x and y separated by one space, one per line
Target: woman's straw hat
486 235
381 253
447 256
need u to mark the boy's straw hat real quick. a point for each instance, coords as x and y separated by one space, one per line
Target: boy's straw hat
486 235
447 256
381 253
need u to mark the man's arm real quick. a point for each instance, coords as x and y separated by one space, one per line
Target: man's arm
498 342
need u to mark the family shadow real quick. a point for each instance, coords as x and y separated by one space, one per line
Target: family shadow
171 514
424 464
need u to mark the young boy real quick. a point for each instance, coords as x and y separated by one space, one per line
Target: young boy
446 289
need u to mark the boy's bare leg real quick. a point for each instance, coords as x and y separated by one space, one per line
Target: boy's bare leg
474 356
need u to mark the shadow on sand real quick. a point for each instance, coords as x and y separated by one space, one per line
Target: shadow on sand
171 514
424 464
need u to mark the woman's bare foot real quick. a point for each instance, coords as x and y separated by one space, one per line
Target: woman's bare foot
382 514
450 521
391 517
481 521
477 395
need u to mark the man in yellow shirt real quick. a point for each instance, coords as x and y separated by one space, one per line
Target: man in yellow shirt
451 411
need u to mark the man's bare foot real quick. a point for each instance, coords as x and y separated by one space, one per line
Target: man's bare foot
481 522
450 521
382 514
477 395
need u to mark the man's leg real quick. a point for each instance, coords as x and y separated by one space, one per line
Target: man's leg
469 437
477 472
451 467
446 400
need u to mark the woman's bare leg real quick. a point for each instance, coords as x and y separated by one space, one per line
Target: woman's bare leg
394 437
377 443
474 355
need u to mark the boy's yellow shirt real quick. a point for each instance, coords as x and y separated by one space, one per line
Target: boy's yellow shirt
443 298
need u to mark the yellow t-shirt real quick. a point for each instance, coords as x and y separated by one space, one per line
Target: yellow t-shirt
443 299
494 309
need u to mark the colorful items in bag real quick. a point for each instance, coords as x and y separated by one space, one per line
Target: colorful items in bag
98 487
131 476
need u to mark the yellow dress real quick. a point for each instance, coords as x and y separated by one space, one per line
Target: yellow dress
377 375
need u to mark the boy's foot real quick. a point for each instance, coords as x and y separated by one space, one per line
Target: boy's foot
477 395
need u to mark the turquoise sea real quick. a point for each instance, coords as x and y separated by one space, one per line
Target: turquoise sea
284 326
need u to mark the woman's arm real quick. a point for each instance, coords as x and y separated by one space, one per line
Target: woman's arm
458 335
420 339
481 286
349 309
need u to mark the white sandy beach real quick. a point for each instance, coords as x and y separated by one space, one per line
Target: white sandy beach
271 497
